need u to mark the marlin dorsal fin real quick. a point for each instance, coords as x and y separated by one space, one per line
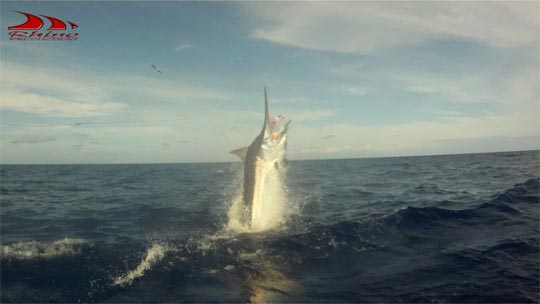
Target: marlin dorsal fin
240 152
266 112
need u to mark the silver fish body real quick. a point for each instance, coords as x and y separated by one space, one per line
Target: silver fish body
264 162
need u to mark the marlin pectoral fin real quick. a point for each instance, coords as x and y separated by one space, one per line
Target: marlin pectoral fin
240 152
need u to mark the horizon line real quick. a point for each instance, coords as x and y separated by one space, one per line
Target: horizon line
291 160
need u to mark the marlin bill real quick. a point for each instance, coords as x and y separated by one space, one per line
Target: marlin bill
264 172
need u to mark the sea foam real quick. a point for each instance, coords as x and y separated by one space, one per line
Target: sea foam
33 249
153 255
269 202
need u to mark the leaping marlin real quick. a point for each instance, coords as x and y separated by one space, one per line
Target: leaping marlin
263 160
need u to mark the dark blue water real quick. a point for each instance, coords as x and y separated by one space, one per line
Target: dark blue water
461 228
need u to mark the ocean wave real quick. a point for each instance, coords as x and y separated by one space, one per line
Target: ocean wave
526 192
429 188
504 203
153 255
497 255
407 225
516 246
412 222
498 207
422 216
33 249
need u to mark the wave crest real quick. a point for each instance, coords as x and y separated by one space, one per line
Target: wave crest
153 255
33 249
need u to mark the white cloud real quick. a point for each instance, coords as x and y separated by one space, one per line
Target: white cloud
345 69
369 26
301 115
151 90
60 92
515 88
32 139
53 92
356 91
288 101
143 142
463 89
182 47
453 135
18 100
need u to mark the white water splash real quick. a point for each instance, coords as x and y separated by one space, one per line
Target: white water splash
153 255
33 249
270 197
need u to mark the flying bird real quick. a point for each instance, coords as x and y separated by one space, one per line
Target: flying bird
156 68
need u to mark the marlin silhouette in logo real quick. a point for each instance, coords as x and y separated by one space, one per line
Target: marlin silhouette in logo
35 23
263 161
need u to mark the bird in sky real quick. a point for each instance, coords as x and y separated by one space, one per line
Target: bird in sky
156 68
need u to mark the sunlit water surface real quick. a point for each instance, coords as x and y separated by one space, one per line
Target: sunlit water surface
461 228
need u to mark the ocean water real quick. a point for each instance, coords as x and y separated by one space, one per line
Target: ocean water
462 228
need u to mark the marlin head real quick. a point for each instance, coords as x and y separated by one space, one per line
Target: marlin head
274 131
271 139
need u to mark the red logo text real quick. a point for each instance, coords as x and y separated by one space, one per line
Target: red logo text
32 29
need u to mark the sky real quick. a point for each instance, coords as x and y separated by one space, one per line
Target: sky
357 79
